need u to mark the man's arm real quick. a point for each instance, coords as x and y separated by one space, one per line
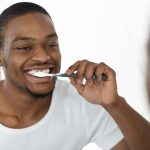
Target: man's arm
134 127
122 145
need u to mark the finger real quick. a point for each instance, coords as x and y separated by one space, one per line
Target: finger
81 69
78 84
105 69
110 73
90 70
73 67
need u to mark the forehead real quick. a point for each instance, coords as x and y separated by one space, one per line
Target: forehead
36 25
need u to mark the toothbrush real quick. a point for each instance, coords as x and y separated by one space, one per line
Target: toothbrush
73 75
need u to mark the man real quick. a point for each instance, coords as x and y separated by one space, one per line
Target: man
148 69
45 113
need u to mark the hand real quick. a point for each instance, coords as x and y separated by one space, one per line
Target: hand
95 91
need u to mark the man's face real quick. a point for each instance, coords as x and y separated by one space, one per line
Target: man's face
30 44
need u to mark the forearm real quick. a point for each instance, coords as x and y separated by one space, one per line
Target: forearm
134 127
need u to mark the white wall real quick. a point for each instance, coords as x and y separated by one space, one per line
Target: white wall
113 31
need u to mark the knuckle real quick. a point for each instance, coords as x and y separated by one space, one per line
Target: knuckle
102 64
91 64
74 65
71 67
85 61
78 61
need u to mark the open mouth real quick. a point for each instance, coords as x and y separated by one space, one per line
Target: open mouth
33 72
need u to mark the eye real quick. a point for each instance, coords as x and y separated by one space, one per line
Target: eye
51 45
24 48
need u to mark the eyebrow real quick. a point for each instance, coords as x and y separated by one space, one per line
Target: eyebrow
26 38
52 35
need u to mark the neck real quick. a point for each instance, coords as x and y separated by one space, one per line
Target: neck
23 105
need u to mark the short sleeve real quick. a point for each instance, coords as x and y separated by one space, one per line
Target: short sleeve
101 128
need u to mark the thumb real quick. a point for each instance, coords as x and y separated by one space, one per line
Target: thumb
78 84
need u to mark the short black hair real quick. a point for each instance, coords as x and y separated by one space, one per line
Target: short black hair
16 10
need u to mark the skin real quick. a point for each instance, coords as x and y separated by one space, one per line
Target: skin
19 93
25 99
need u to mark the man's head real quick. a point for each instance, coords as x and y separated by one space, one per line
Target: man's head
16 10
28 42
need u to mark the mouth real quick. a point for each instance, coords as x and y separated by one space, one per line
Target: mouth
32 72
32 77
39 83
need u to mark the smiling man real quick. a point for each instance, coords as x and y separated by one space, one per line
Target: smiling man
47 113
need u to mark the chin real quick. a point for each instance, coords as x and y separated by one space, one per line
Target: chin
41 89
40 93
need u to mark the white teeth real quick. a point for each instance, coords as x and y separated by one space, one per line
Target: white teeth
32 72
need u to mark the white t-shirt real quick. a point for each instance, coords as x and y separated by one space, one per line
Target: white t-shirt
70 124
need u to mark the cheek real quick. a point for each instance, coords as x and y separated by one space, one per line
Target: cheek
57 59
56 56
13 63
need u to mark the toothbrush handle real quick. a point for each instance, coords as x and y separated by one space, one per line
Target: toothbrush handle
73 75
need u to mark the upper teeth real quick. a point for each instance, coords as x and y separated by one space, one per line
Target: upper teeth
32 72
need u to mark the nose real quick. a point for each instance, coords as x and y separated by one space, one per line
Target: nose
41 55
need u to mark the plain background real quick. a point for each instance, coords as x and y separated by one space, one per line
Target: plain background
110 31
